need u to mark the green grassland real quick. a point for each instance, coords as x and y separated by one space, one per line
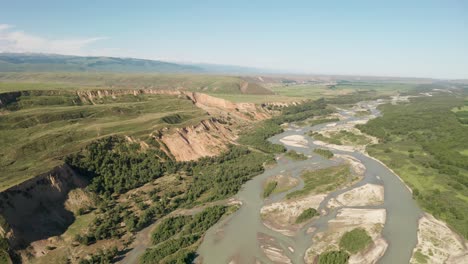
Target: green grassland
425 142
45 128
323 180
315 91
61 81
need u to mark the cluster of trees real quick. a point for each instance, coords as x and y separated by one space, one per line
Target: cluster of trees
355 240
333 257
350 243
115 165
101 257
174 237
168 228
221 177
429 126
258 136
306 215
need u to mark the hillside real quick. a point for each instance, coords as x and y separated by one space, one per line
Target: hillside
33 62
218 84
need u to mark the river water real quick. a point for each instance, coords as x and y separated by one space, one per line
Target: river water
236 237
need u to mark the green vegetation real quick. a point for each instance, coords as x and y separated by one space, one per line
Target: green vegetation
270 187
423 141
102 256
168 228
333 257
294 155
175 236
323 180
46 126
321 137
213 84
344 91
220 177
461 112
114 166
420 257
319 121
4 249
324 152
15 62
257 137
342 137
355 240
306 215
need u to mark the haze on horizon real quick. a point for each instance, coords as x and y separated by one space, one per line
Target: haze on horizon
398 38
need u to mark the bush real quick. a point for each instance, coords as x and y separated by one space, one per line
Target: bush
295 155
355 240
271 186
333 257
306 215
324 152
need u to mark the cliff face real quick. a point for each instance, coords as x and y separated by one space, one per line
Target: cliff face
35 209
209 138
222 107
213 105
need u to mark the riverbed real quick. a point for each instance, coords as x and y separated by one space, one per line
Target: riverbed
239 238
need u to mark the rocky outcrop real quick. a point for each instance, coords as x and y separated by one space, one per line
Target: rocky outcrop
208 138
212 105
35 209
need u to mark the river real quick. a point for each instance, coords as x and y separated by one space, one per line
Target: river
235 239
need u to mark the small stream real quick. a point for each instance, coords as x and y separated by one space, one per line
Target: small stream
235 238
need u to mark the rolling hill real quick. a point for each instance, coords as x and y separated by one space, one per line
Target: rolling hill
35 62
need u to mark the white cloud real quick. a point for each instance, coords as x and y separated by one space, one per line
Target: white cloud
18 41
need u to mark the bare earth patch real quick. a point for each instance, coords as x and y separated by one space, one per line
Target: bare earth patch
369 194
295 141
281 216
272 249
438 244
372 220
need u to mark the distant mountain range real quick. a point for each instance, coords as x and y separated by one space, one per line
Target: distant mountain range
38 62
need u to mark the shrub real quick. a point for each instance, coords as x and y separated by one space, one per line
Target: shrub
355 240
306 215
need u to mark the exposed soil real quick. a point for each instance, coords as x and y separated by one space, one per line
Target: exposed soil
347 219
437 243
369 194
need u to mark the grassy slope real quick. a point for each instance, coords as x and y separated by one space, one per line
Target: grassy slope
202 83
35 137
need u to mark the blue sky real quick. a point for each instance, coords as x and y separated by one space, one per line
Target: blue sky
386 38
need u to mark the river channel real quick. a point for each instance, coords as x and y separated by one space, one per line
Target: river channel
235 239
